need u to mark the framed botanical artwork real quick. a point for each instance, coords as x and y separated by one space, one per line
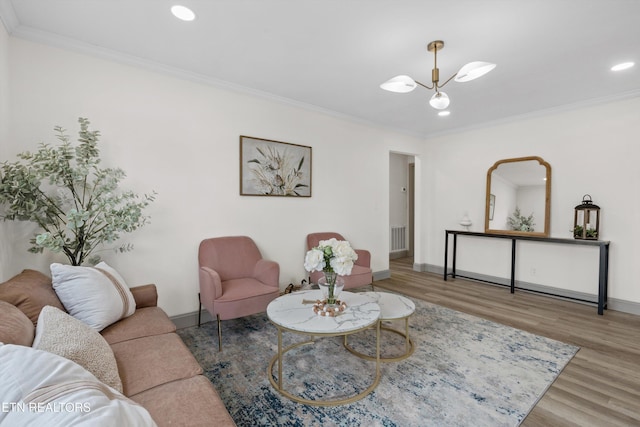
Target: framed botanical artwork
492 205
274 168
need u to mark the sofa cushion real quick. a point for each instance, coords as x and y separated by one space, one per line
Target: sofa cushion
96 295
61 334
41 388
151 361
15 326
193 399
30 291
144 322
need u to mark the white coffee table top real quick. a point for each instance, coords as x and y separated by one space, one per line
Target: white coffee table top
289 312
392 306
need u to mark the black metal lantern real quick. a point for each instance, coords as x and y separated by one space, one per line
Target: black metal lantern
586 222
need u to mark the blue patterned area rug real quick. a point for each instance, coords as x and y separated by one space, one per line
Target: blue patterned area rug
465 371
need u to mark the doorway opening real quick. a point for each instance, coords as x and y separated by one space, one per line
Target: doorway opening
402 174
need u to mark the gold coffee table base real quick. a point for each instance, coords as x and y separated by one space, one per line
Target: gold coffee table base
278 385
409 347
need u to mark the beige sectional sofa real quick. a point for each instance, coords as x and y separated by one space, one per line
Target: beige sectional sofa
157 370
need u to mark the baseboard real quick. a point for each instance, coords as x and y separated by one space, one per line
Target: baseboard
398 254
381 275
624 306
191 319
612 303
427 268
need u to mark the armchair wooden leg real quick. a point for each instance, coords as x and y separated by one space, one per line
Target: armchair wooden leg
219 333
199 309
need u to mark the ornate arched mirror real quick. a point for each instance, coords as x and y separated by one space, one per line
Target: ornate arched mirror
518 197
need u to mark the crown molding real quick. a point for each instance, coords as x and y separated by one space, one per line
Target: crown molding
67 43
539 113
16 29
8 16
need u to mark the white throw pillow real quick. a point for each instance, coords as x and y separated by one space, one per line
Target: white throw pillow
61 334
43 389
96 295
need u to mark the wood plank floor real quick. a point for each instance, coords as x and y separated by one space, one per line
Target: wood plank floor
601 384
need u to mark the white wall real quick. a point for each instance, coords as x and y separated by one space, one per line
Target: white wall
6 252
591 150
4 86
181 139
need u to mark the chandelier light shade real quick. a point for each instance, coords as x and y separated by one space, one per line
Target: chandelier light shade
399 84
439 100
473 70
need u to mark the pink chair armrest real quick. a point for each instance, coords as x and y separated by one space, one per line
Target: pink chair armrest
210 284
364 257
268 272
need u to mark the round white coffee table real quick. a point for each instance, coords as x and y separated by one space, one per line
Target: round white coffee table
392 307
294 313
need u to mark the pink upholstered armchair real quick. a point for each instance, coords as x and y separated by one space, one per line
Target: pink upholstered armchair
234 279
361 274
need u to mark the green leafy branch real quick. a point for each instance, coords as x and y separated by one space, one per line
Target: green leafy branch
520 222
76 204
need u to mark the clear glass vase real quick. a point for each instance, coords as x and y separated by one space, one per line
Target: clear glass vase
331 286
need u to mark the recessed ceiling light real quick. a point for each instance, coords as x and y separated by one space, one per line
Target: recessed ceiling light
622 66
182 12
444 113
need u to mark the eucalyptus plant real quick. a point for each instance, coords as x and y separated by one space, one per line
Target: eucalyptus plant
520 222
75 203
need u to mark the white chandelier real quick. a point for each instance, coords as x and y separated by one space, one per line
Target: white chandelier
439 100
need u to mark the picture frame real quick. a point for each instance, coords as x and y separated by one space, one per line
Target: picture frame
492 205
274 168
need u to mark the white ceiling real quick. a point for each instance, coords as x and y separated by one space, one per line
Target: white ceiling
332 55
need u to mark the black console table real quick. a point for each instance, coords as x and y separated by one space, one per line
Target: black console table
603 275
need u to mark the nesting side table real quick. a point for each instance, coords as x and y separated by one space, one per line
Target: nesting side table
392 307
289 313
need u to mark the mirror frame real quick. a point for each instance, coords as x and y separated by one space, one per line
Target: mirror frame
547 201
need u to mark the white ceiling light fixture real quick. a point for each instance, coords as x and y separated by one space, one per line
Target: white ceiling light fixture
183 13
439 100
444 113
622 66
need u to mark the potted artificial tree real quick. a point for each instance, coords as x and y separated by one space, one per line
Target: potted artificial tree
76 204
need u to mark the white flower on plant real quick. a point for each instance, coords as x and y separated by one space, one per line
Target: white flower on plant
314 260
343 268
331 255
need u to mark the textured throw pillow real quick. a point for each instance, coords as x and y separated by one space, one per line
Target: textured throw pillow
30 291
43 389
61 334
15 326
96 295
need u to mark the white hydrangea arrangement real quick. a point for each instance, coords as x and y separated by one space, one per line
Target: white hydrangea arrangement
331 256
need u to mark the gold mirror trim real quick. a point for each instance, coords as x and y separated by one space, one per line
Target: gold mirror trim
547 201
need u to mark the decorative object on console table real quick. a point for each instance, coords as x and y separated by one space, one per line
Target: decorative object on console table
333 257
273 168
466 221
586 220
